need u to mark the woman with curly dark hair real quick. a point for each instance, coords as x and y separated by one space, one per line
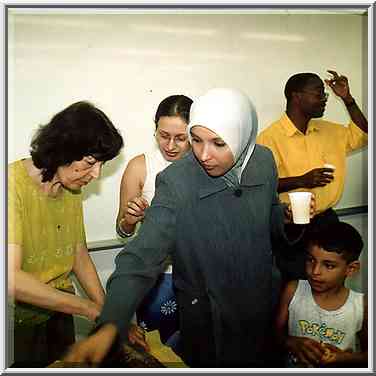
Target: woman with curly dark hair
46 236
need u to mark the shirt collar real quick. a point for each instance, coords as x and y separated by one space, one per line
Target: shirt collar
290 128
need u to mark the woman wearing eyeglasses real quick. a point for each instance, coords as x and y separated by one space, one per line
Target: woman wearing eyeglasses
159 309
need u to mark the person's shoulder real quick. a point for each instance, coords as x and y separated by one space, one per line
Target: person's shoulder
271 135
327 124
136 168
14 166
16 171
357 294
262 153
181 167
262 150
181 172
291 287
179 176
271 128
137 162
288 291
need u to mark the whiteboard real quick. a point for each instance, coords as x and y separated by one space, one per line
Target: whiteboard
126 62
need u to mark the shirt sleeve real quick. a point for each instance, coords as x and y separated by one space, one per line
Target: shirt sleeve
142 260
355 137
15 216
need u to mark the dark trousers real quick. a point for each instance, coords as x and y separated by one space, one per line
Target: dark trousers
41 345
291 260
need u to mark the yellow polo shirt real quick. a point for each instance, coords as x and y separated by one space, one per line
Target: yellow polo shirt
296 153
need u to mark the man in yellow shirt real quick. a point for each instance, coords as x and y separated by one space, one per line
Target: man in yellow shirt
302 145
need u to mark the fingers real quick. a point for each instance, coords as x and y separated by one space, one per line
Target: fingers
336 79
312 209
333 73
143 344
313 352
322 176
137 206
136 335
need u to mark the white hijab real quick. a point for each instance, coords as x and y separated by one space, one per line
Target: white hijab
231 115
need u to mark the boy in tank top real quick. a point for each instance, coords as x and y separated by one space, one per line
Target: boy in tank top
320 322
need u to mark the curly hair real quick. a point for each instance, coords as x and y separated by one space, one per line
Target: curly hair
79 130
174 105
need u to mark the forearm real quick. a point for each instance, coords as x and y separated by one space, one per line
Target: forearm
87 275
30 290
290 183
356 114
126 288
352 357
339 358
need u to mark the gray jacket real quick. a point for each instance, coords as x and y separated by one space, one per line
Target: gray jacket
220 246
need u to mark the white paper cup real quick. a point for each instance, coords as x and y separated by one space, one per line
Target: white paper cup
300 206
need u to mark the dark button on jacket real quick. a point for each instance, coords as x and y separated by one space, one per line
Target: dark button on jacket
220 245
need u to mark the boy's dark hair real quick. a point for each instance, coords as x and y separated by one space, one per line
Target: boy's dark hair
339 237
79 130
174 105
297 83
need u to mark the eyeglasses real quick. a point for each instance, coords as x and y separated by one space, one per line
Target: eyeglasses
321 96
165 138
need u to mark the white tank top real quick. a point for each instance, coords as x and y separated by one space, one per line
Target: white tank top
339 327
155 163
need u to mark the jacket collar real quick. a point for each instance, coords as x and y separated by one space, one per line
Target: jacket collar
253 175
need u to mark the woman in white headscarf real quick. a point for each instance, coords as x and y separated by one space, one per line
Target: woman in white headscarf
214 213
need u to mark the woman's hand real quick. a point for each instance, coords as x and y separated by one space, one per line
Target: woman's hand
135 210
93 310
92 350
136 335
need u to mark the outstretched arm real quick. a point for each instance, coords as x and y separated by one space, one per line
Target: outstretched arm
137 267
340 86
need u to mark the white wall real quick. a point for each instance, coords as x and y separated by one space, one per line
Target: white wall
127 63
